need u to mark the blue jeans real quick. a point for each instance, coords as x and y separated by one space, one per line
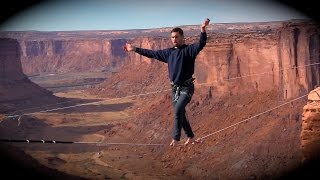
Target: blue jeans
179 105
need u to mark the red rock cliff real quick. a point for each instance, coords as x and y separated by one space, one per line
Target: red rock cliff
283 56
14 85
61 56
310 131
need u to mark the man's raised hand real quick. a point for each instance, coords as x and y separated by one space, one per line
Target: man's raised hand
205 22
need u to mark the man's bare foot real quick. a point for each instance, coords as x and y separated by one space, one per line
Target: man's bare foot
173 142
189 140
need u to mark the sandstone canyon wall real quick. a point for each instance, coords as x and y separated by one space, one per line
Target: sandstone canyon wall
63 56
14 84
299 58
310 131
285 57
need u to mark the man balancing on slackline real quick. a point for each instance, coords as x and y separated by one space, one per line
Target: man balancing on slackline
181 60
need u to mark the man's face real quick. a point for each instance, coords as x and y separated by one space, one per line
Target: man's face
177 39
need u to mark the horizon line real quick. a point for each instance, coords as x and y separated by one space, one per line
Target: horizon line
250 22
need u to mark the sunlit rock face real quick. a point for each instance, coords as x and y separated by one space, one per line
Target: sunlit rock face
284 57
238 58
310 131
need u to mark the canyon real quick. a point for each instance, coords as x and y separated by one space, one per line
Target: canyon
242 74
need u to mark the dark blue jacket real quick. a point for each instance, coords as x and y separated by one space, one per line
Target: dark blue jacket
180 60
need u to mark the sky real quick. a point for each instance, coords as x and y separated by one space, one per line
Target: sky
72 15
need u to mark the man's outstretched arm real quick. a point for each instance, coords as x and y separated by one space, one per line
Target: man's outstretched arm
160 55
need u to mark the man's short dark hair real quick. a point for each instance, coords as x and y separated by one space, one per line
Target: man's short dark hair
178 30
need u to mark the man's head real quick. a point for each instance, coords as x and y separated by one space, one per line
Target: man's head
177 37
